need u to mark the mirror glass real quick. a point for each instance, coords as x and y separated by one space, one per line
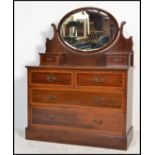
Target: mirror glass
88 30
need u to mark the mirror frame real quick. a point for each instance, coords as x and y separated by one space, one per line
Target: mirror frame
75 50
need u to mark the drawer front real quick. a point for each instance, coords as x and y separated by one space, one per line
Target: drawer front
78 117
117 60
52 78
100 79
52 59
94 99
47 59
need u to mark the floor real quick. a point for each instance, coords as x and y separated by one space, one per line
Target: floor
31 147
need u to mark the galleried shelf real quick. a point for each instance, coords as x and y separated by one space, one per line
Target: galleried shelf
81 93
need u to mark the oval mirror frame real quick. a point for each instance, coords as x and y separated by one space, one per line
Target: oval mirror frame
80 51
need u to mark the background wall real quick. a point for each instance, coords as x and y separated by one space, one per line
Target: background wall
32 26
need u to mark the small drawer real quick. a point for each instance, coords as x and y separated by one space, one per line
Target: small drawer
117 60
78 117
100 79
52 59
91 99
48 60
51 78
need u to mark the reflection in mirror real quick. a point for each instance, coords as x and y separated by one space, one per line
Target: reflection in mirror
88 30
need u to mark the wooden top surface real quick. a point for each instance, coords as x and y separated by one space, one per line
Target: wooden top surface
80 67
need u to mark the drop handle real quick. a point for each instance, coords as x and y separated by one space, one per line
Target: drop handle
98 122
50 78
51 117
98 100
49 59
51 97
117 59
98 79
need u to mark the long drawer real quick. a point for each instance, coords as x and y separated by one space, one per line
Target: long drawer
79 118
82 98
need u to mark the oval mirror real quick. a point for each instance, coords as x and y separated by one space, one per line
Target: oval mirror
88 29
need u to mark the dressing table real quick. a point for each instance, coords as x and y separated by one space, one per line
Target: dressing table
81 92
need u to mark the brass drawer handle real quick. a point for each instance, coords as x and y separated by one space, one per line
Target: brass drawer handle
51 78
98 100
49 59
98 79
117 60
51 97
98 122
51 117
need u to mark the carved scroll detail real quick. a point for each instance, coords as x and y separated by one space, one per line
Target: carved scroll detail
54 46
54 28
122 25
122 44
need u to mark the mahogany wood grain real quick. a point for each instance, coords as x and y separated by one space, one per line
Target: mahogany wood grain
110 123
83 98
50 59
47 59
51 78
117 60
79 99
79 136
129 99
99 79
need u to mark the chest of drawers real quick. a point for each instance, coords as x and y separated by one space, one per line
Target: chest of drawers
81 93
78 105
